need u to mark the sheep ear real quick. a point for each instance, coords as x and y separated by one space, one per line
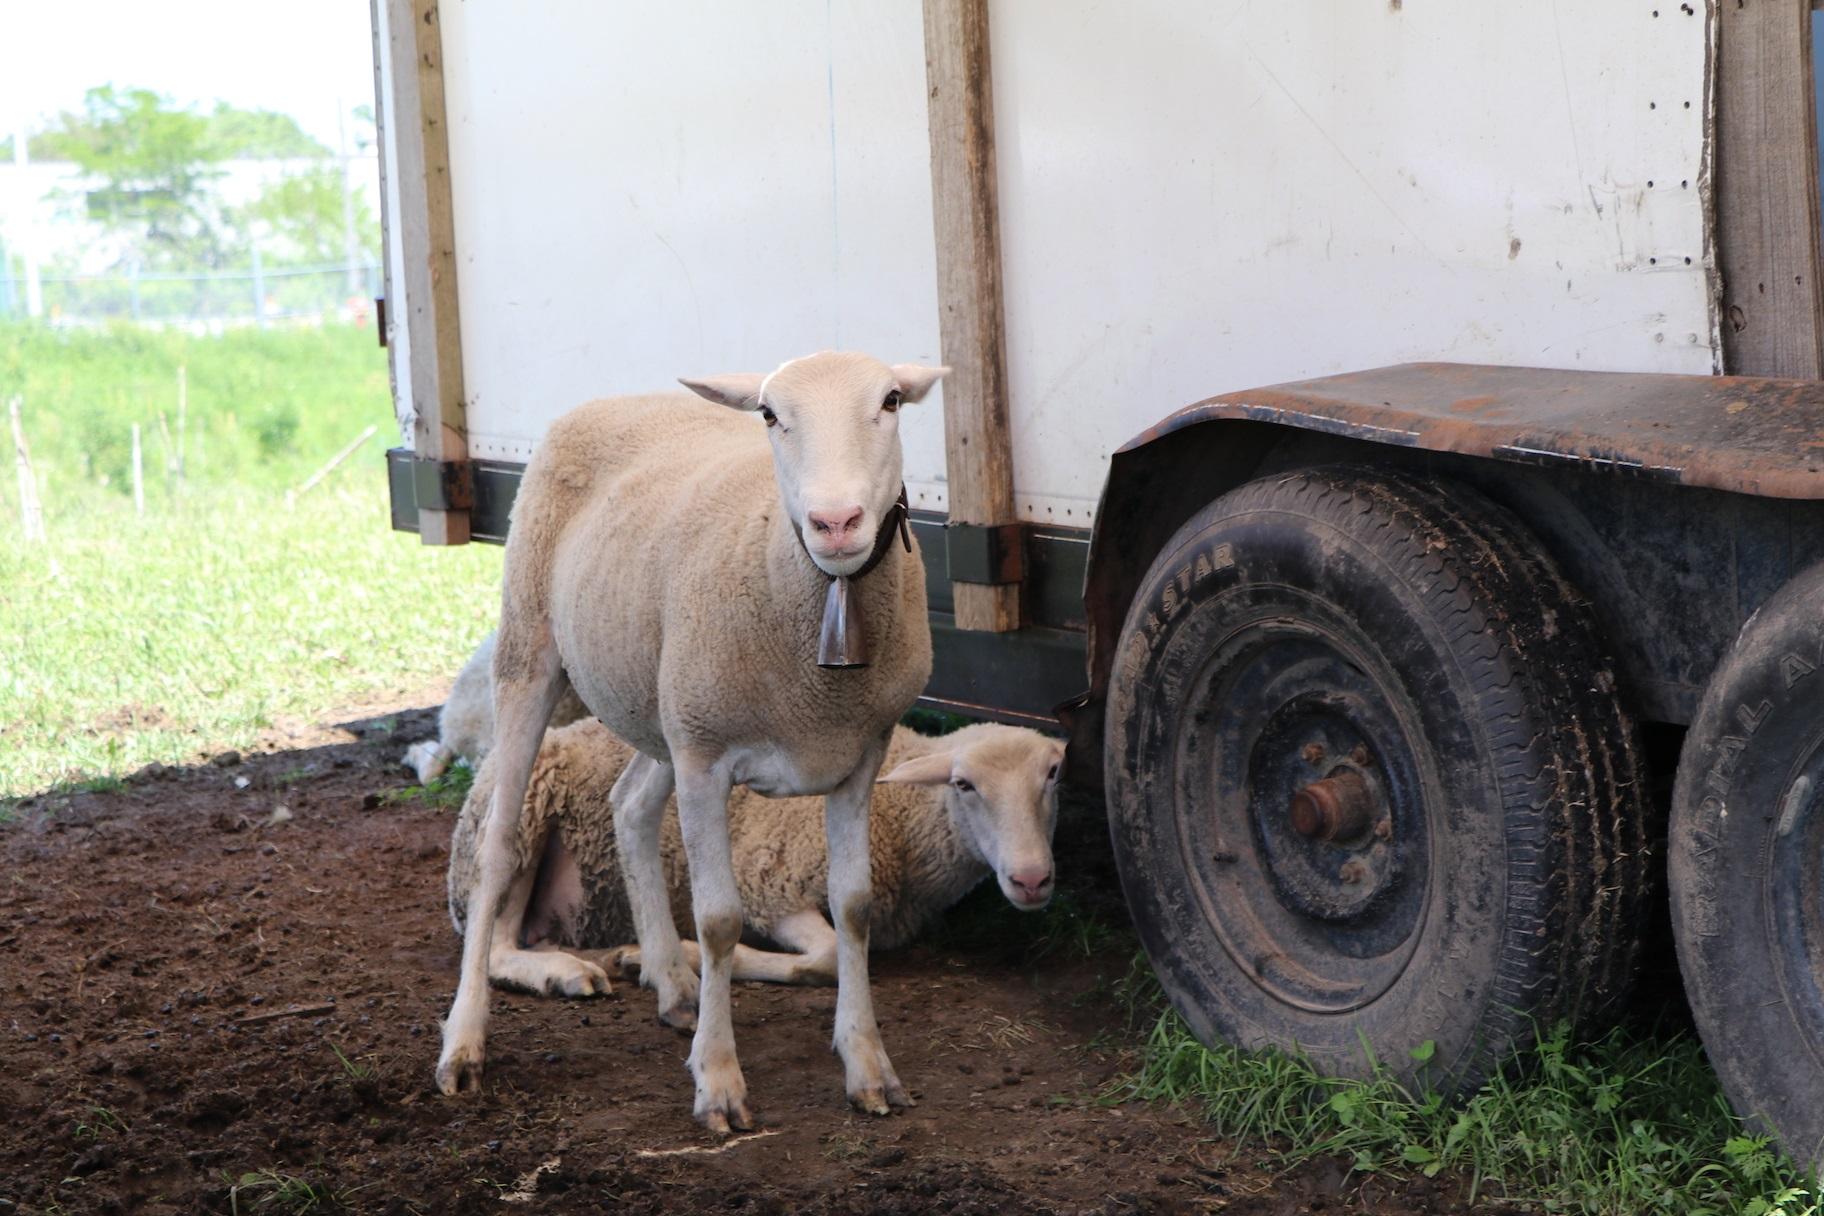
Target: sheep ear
738 389
915 380
921 770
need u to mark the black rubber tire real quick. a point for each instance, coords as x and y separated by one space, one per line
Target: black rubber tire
1513 875
1746 866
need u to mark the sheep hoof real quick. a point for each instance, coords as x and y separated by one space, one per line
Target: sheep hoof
720 1122
459 1069
576 977
682 1016
427 759
721 1094
873 1086
625 962
871 1101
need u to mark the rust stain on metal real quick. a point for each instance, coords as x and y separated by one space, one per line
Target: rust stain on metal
1744 434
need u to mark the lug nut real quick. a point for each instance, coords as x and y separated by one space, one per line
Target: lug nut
1360 754
1383 828
1313 753
1352 872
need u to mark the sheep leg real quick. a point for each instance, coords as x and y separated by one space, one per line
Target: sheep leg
809 934
810 957
428 758
524 698
870 1081
548 972
715 904
638 802
813 960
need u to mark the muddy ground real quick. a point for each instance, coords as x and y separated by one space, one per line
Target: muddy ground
203 1010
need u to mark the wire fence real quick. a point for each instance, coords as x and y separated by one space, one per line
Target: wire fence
218 299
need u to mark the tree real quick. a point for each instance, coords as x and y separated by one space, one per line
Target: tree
302 212
150 167
259 135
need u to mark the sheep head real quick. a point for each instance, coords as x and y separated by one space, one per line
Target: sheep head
833 421
1001 797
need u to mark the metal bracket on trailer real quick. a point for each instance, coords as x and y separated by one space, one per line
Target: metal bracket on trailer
443 485
985 553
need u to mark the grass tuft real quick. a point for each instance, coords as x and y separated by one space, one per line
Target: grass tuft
446 792
268 1190
356 1069
1623 1126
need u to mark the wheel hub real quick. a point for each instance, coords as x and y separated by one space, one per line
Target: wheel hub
1318 844
1339 807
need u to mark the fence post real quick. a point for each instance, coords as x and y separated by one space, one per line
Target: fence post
350 246
259 287
6 280
183 408
28 250
29 506
139 475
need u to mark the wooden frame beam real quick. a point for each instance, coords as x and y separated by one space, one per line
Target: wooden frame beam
421 165
1767 190
965 213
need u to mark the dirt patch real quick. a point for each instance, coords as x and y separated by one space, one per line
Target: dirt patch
124 719
156 942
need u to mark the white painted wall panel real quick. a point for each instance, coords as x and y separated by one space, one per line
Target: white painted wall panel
1195 198
398 333
649 191
1199 198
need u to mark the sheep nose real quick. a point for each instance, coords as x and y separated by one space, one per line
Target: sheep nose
837 524
1033 885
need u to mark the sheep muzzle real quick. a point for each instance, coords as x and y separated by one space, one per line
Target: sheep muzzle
842 638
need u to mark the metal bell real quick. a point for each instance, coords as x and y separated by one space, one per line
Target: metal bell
842 641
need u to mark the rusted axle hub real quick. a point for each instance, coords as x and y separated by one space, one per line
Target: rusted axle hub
1339 807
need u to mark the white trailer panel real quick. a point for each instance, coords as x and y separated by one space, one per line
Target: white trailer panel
649 191
1196 198
1193 198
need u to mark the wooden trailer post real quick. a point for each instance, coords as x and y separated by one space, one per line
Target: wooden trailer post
984 540
441 471
1767 190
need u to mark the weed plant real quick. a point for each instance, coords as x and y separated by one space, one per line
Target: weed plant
1629 1124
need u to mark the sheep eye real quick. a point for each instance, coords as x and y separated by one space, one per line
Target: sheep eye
891 402
963 784
1053 774
772 419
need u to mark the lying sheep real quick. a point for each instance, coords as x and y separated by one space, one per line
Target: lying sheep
465 724
953 810
678 564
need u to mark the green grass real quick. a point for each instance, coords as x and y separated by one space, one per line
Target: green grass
1628 1125
446 792
155 639
357 1070
265 407
269 1190
129 639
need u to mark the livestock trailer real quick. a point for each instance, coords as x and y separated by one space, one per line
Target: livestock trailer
1380 666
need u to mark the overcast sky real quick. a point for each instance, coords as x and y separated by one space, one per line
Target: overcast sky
299 57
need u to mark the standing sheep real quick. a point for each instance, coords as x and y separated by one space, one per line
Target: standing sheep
949 812
681 589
